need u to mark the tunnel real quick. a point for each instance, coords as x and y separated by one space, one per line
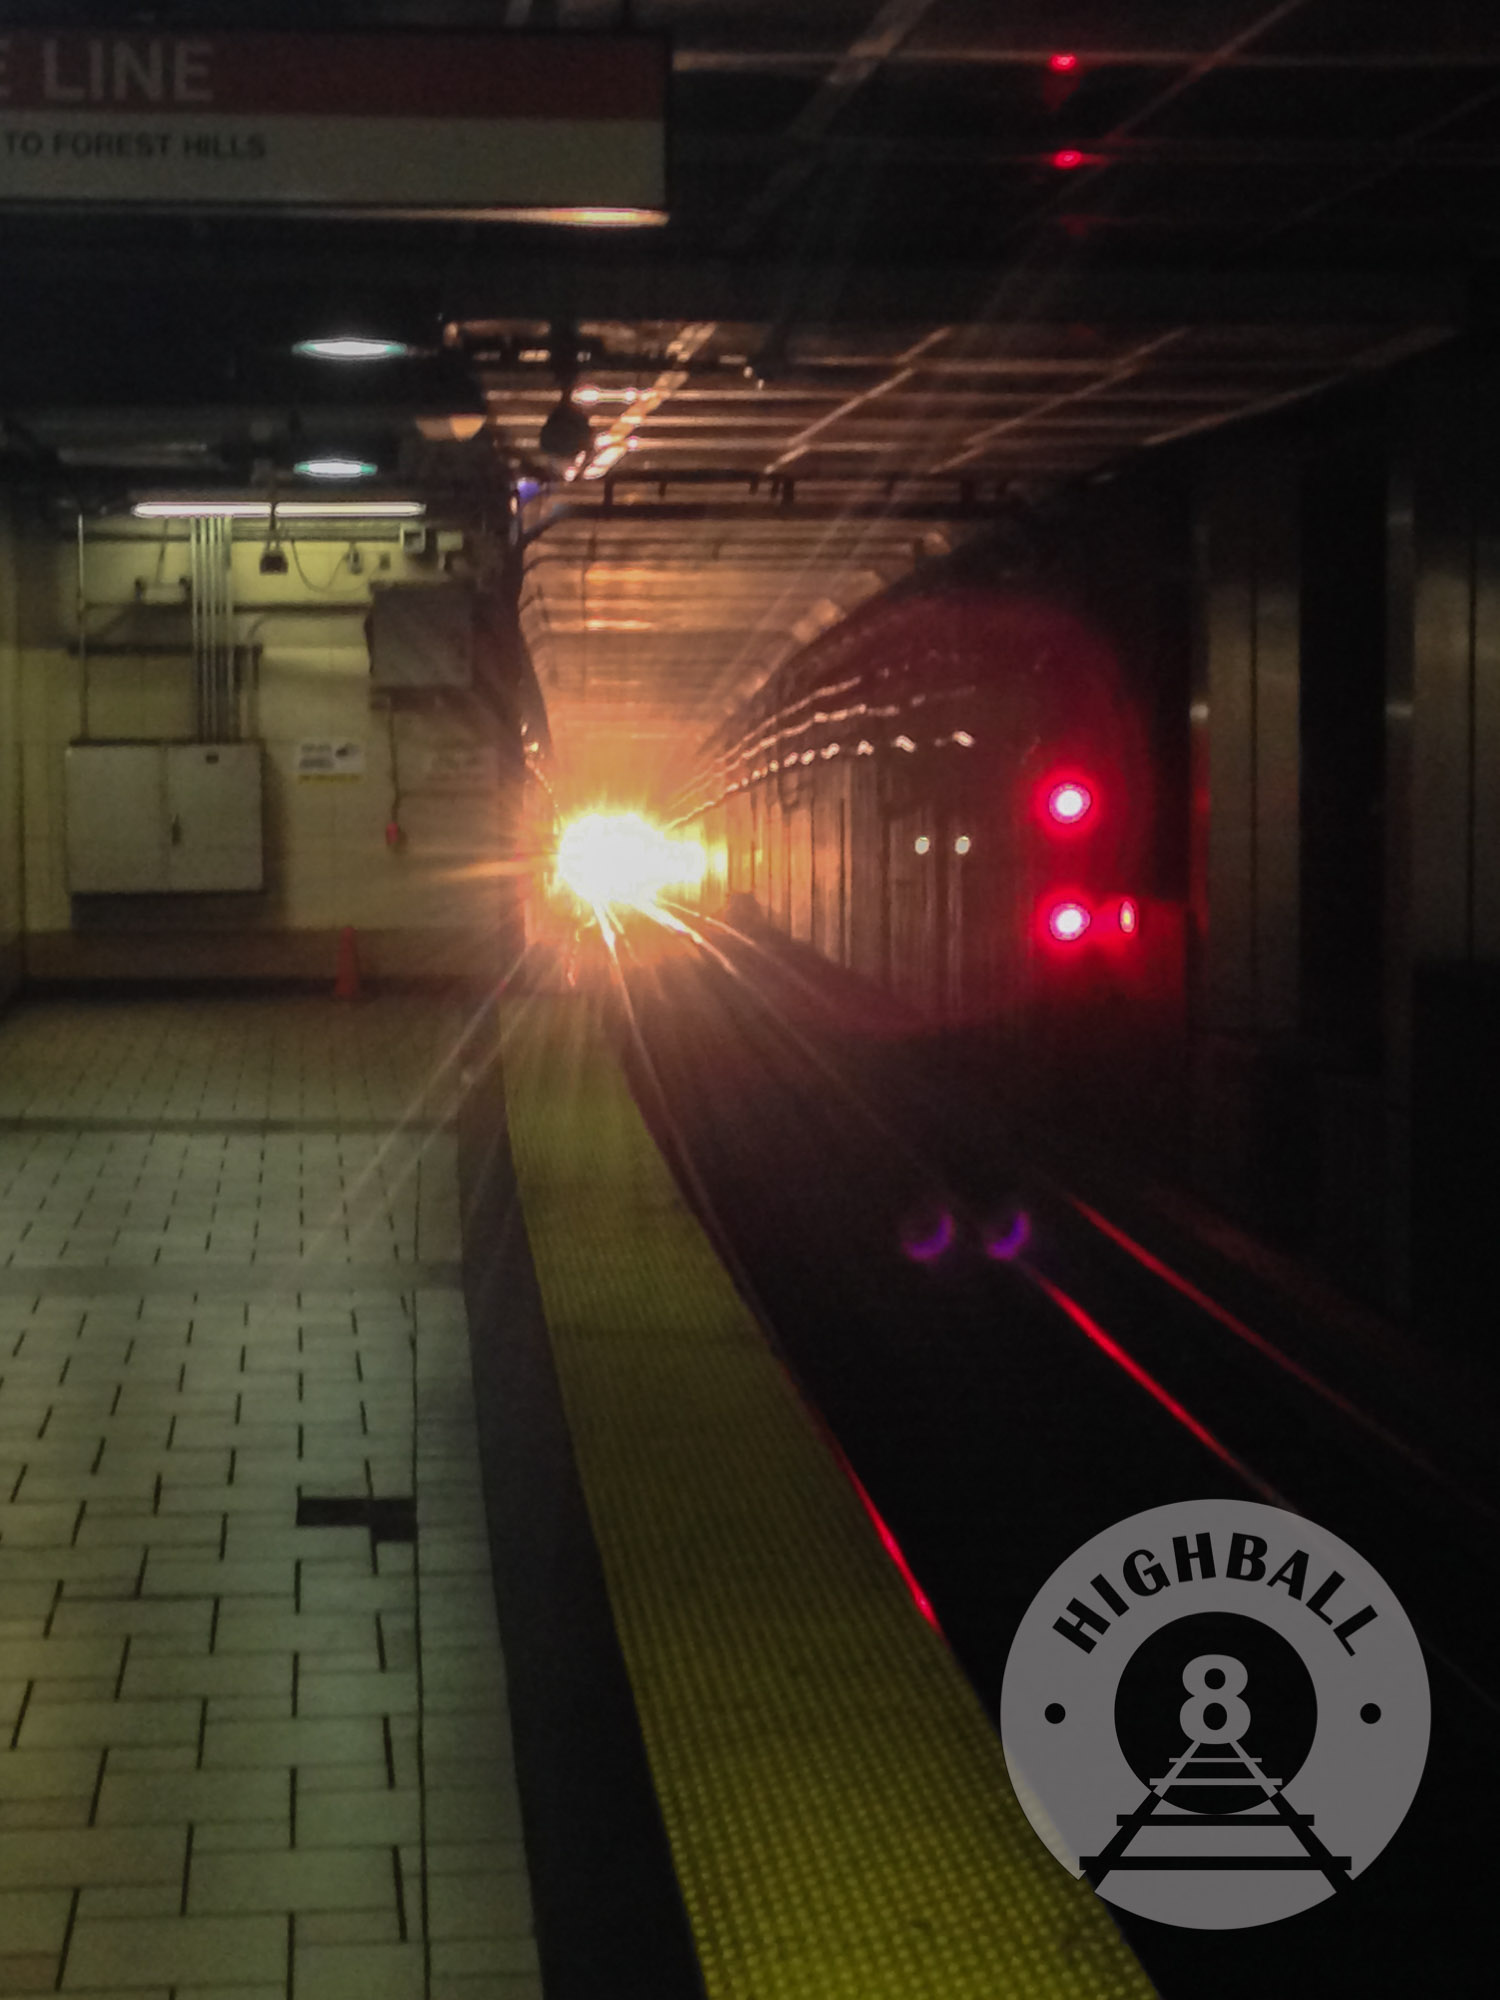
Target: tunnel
749 920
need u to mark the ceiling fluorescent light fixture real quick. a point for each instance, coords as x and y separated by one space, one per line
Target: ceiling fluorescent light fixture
590 218
284 510
335 465
352 347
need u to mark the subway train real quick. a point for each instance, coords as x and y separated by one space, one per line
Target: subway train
954 795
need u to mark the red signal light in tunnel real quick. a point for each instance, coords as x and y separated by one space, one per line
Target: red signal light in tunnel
1067 921
1129 916
1069 802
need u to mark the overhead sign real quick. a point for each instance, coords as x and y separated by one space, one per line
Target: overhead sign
569 128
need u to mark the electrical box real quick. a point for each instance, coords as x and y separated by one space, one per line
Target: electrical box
214 835
422 635
154 818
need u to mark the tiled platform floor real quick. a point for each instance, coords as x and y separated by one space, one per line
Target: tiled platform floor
239 1757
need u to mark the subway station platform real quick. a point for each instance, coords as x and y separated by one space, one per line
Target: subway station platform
253 1729
256 1730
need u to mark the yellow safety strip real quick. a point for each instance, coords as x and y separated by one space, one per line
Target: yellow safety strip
837 1802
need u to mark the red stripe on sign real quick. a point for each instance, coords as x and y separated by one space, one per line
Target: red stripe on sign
367 76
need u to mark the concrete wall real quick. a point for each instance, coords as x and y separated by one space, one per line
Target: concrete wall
1345 837
11 919
1249 1137
431 904
1442 907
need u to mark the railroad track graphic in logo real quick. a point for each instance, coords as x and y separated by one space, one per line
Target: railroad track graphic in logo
1216 1713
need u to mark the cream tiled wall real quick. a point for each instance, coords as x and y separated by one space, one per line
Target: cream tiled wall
435 903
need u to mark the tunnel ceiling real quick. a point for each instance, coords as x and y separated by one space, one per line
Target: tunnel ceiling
923 255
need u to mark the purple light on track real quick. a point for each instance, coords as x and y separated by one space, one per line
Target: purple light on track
923 1249
1005 1244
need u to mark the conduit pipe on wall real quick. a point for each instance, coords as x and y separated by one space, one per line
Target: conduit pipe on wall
214 654
81 616
254 607
226 677
195 603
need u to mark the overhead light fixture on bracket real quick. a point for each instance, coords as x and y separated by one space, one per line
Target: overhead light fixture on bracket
567 437
352 347
771 362
335 465
273 556
356 325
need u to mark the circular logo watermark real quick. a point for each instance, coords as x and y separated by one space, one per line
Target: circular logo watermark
1216 1712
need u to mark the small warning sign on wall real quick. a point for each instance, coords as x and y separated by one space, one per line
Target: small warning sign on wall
330 757
461 767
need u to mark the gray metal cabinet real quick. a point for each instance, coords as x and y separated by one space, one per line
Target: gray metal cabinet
117 832
213 816
148 818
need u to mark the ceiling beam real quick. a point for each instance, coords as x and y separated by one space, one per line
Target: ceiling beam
922 151
1218 58
1128 365
1481 51
903 373
1409 151
1040 295
892 22
654 512
624 286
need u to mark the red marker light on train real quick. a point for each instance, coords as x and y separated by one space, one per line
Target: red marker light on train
1062 63
1130 917
1069 802
1068 921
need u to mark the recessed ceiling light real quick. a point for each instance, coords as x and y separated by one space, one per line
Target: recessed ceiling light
352 347
334 466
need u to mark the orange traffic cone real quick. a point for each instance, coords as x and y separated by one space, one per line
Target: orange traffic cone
346 985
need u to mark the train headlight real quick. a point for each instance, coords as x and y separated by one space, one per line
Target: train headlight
1069 802
1067 921
622 859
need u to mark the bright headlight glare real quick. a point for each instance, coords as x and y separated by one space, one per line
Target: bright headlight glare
620 858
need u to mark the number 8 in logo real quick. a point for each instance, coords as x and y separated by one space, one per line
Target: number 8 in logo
1215 1714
